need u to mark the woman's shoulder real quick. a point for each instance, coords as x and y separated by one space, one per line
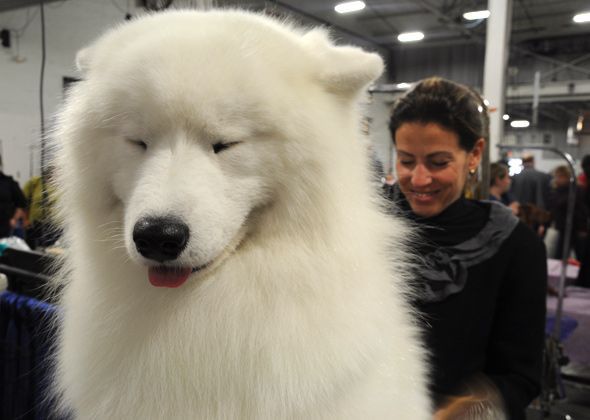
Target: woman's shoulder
524 244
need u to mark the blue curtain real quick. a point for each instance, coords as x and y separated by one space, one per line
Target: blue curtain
27 334
568 325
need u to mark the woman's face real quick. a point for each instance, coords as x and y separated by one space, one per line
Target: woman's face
431 166
504 183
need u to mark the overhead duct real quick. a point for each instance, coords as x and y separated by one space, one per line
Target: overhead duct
6 5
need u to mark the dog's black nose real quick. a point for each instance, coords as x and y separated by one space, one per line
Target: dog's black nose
160 238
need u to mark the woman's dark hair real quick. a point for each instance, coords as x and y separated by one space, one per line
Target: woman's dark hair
497 170
455 107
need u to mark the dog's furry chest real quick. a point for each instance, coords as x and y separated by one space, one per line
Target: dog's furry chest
199 352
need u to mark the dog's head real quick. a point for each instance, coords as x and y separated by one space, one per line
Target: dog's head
191 122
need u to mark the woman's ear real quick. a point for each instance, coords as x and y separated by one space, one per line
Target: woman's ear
476 153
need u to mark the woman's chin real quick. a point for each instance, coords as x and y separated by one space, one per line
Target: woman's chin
425 206
425 210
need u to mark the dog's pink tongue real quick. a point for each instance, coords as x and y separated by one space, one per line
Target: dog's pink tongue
168 276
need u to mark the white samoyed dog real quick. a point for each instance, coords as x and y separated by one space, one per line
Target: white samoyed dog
228 257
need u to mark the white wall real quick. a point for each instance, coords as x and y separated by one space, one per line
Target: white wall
70 25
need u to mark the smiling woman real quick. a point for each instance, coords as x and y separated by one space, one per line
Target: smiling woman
481 290
431 166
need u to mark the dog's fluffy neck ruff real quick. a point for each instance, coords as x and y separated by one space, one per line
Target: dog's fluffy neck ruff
281 301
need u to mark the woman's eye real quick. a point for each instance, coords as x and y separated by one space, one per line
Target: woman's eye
440 164
138 142
406 162
219 147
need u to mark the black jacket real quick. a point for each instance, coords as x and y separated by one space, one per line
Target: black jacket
11 198
495 325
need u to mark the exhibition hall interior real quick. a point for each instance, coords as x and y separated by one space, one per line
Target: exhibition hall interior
270 191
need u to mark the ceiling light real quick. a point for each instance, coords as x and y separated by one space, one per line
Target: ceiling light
403 85
519 124
476 15
410 36
349 6
505 117
582 17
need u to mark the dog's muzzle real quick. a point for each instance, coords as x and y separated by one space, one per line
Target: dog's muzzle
160 238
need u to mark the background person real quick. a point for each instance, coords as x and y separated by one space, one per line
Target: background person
12 204
558 202
584 273
531 186
500 186
40 230
481 290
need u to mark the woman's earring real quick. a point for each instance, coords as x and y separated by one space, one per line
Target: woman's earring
472 172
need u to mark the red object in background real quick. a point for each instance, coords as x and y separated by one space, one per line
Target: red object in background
582 181
574 262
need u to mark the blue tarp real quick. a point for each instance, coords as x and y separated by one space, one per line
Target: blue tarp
27 334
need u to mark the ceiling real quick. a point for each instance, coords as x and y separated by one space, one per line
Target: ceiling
543 27
533 21
542 30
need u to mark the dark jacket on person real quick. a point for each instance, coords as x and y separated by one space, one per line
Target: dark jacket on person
558 205
11 198
531 187
491 322
558 202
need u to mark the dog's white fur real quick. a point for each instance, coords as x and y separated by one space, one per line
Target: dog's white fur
302 314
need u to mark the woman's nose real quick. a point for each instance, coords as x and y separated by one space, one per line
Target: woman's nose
421 176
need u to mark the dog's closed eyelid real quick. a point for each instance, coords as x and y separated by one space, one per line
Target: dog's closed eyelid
138 142
220 146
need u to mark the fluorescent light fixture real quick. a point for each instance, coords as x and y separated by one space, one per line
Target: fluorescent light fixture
410 36
403 85
515 166
476 15
505 117
582 17
519 124
349 6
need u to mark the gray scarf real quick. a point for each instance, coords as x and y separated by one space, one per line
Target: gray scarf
445 272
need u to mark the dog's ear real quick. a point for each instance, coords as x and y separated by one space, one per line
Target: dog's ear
343 69
83 60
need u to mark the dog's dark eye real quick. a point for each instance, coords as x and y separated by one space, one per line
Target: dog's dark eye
219 147
139 143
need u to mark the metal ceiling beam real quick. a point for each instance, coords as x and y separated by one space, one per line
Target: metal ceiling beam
366 19
551 60
566 91
449 22
327 23
566 65
480 40
6 5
